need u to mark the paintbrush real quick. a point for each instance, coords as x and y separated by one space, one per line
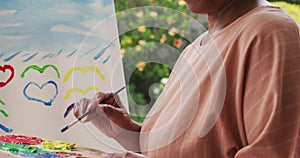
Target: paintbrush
90 111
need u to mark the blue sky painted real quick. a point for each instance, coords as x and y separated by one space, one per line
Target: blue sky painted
49 25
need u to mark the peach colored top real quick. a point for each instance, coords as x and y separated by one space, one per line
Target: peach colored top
236 95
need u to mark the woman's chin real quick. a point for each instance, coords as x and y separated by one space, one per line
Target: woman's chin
197 10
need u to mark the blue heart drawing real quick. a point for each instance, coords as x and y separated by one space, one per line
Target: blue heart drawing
47 103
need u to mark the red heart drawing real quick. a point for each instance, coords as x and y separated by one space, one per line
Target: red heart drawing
7 67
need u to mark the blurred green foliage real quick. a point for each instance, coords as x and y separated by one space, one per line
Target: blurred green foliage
288 1
152 35
292 9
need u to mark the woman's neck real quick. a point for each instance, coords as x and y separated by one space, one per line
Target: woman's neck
233 10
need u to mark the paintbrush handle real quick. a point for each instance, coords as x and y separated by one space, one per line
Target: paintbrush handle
73 123
112 95
85 114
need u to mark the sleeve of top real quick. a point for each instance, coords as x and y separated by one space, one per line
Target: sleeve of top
271 99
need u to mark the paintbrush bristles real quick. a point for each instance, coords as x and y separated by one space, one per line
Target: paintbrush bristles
64 129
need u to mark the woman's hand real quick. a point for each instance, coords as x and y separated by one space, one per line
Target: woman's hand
128 154
110 116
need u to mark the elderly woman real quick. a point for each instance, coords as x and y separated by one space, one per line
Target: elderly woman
234 92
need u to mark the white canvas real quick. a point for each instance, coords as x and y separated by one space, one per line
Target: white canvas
52 53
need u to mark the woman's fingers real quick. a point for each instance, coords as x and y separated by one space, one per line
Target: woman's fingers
112 109
100 96
92 106
81 107
113 100
117 102
118 116
75 111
